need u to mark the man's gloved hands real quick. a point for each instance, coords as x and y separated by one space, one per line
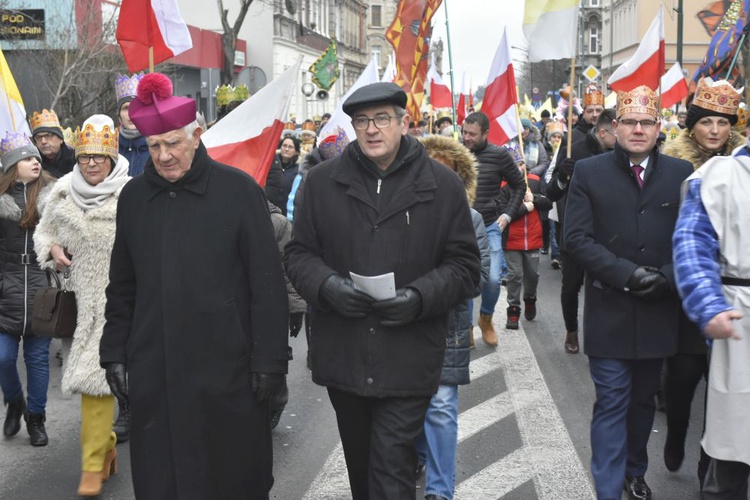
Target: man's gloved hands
268 385
295 324
648 283
116 376
566 169
400 310
340 295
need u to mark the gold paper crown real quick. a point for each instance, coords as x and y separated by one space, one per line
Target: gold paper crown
69 137
717 96
592 96
241 93
555 128
222 94
741 124
308 125
91 141
44 119
639 100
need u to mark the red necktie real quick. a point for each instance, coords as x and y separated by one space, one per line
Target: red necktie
637 170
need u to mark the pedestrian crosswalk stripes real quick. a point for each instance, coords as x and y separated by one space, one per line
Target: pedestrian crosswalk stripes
547 457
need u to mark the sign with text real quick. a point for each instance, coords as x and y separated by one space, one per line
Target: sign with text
23 24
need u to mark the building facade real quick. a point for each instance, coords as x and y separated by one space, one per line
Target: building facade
589 41
381 14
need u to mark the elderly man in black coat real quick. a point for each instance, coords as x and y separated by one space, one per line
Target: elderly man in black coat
196 313
620 215
381 207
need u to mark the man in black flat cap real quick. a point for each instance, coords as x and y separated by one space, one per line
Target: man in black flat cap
382 206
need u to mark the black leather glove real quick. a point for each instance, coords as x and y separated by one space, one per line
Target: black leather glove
565 169
295 324
268 385
117 379
648 283
400 310
340 295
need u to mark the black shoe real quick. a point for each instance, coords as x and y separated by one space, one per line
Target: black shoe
35 428
637 488
275 417
556 263
674 451
13 417
544 251
121 428
514 314
529 309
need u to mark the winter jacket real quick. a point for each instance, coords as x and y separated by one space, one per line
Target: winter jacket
613 226
88 235
495 166
136 152
557 188
311 159
581 129
282 229
20 277
525 232
63 162
275 184
414 222
458 342
535 154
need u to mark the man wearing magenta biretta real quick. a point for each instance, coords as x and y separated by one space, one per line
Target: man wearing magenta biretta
196 313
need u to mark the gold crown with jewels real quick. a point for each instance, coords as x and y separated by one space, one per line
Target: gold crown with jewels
717 96
639 100
47 118
93 140
592 96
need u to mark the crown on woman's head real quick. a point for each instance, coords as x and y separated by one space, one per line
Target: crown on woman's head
97 140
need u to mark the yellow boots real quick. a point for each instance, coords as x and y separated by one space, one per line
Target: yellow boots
488 330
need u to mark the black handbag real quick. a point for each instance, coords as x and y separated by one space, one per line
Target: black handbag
54 313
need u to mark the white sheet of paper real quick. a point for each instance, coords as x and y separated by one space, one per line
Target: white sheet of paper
378 287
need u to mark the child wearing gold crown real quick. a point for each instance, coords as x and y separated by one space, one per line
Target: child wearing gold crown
24 191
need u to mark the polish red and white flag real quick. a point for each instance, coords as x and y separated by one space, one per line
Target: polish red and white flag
462 102
674 87
440 94
500 96
151 23
247 137
647 64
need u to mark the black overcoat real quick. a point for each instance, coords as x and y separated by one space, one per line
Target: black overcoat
196 302
611 227
423 233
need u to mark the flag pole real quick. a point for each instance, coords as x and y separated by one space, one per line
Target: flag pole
151 59
450 64
570 104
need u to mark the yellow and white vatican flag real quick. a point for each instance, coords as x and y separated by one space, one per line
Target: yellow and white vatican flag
12 112
550 27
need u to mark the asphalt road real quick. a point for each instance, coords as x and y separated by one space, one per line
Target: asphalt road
523 429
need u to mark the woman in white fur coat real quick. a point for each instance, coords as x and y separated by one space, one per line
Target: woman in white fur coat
77 231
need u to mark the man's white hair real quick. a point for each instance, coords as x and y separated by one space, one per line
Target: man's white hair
190 128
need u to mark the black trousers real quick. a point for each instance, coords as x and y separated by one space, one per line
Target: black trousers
684 372
378 436
572 281
726 481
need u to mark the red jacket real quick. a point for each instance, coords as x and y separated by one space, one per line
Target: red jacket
525 232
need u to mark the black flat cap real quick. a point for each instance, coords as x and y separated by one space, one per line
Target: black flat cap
375 94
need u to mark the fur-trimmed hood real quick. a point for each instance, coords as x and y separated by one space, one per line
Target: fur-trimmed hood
10 210
439 147
685 148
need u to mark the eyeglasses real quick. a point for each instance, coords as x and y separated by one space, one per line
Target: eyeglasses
380 121
43 136
86 159
645 124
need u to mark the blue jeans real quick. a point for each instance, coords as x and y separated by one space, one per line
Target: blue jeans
437 444
554 248
498 269
36 357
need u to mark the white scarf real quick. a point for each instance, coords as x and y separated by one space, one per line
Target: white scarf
89 197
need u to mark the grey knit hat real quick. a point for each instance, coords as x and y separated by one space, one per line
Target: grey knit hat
16 147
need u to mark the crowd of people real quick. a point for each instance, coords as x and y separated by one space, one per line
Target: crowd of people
189 277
